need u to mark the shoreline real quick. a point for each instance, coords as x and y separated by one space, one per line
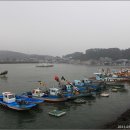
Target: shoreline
122 122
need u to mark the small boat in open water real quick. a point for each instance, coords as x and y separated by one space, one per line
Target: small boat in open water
4 73
8 99
44 65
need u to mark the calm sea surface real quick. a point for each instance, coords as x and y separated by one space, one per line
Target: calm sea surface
93 114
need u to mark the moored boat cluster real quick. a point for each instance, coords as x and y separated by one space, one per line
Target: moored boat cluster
66 90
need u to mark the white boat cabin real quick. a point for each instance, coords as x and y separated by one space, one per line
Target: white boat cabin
37 92
8 97
99 76
86 80
54 91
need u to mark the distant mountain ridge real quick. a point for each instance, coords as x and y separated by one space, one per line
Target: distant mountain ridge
97 53
12 55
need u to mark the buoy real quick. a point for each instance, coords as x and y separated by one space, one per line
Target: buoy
104 94
79 101
114 90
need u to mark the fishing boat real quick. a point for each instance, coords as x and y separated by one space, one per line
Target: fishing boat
123 73
102 77
114 90
117 87
9 100
113 77
68 92
44 65
116 84
104 94
30 100
72 92
52 95
4 73
80 86
86 85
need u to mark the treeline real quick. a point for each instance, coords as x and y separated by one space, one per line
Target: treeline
97 53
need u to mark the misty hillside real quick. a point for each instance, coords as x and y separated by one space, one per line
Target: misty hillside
11 55
5 55
97 53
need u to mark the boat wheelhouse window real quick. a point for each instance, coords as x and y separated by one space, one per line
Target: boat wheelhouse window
69 86
52 90
11 96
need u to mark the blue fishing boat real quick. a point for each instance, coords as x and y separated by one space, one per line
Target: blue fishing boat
68 92
83 84
80 85
52 95
88 85
30 100
8 99
72 92
75 89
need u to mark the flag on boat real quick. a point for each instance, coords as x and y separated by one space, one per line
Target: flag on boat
75 88
56 78
68 82
62 78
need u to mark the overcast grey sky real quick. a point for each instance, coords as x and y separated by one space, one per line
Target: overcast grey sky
59 28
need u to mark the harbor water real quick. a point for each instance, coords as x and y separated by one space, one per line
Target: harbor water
96 112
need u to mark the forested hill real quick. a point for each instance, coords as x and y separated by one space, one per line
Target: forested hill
11 55
113 53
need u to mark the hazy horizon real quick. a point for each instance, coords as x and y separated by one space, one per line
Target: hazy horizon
58 28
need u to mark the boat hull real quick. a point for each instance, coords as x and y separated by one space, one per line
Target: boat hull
16 105
19 107
55 100
49 99
31 100
84 95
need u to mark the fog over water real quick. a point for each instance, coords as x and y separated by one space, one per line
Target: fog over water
62 27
